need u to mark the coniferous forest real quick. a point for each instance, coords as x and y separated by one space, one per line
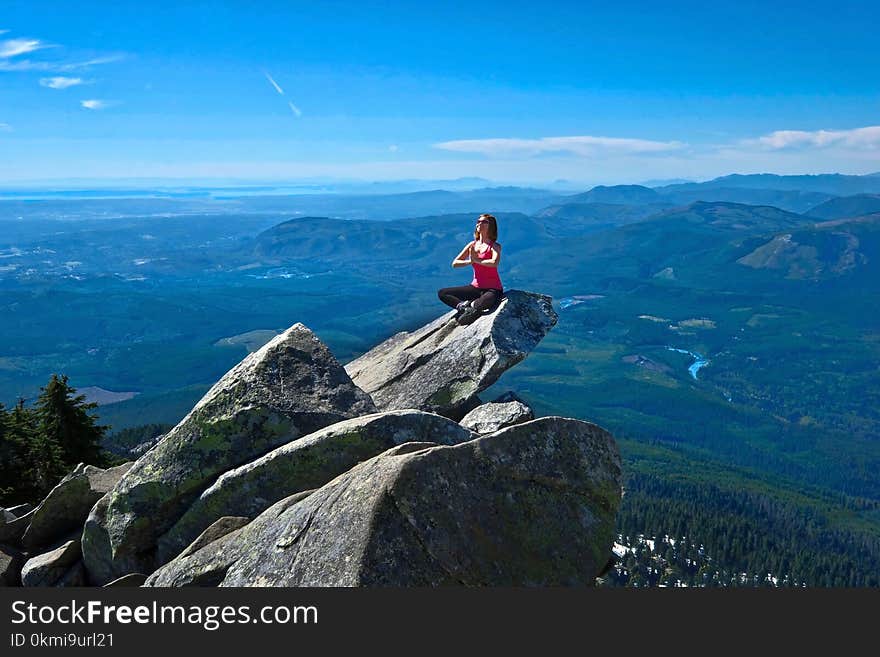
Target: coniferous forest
680 534
40 444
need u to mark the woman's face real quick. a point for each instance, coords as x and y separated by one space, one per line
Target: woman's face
483 227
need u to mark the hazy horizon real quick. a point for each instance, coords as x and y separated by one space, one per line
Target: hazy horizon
331 185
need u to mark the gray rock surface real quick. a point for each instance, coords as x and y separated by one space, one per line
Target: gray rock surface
493 416
218 529
289 388
531 505
96 546
441 366
11 561
305 464
67 505
132 579
49 568
207 566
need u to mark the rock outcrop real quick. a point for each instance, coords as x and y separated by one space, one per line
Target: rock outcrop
67 506
531 505
287 473
289 388
305 464
442 366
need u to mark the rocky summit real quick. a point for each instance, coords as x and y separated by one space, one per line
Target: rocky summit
295 471
442 367
289 388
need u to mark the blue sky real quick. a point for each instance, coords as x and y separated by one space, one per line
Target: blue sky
510 91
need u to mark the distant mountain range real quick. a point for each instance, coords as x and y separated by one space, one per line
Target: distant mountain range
836 184
703 239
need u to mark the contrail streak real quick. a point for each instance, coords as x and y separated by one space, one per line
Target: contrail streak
273 83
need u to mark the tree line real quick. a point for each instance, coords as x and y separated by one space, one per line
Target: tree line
42 443
744 532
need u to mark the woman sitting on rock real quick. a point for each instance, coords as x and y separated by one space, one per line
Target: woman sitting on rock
485 291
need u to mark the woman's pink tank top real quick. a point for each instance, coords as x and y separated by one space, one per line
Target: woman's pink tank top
486 276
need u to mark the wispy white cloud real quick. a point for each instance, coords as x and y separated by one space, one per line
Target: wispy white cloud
5 127
273 83
856 138
393 148
56 66
60 82
294 108
95 61
95 104
14 47
583 145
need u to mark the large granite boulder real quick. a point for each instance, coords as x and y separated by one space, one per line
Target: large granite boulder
305 464
442 366
488 418
289 388
531 505
67 505
53 567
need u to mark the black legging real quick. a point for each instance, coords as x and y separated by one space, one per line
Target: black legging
484 298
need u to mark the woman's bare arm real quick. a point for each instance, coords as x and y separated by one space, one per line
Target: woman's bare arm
460 260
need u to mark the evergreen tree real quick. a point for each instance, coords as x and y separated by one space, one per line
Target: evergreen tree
64 420
38 463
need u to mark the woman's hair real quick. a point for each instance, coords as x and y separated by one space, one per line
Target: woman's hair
493 227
